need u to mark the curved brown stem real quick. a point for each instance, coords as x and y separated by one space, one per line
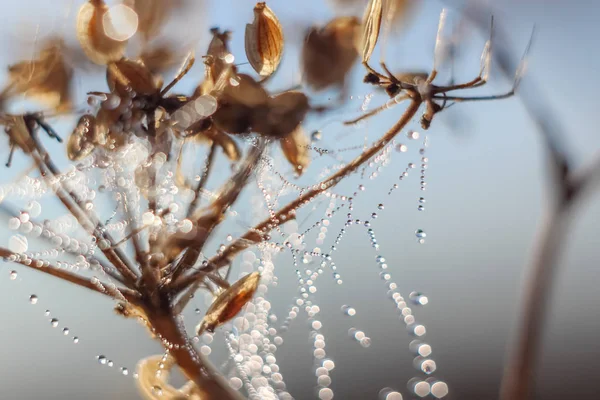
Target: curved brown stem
195 367
255 235
109 290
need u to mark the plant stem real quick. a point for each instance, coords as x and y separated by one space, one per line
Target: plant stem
255 235
195 367
109 289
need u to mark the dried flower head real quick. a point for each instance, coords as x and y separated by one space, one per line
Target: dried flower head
264 40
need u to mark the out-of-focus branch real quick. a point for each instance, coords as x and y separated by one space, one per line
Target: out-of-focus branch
567 188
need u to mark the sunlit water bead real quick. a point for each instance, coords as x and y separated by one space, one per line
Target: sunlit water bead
13 275
389 394
316 136
421 235
420 348
425 365
33 299
54 322
418 298
401 148
413 135
347 310
18 244
438 389
417 329
325 394
419 387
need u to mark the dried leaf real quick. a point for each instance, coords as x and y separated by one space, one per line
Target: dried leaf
370 28
296 148
81 142
329 53
230 302
47 78
282 115
91 33
264 40
128 73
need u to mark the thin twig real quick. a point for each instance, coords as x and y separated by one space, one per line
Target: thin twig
97 286
287 212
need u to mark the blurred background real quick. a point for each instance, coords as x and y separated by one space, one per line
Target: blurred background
486 193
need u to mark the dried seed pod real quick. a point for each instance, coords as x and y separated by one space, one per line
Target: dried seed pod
93 21
228 145
151 14
128 73
47 78
295 147
229 303
282 116
329 53
264 40
238 104
370 28
81 143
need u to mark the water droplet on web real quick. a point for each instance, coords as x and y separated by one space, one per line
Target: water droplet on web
421 208
413 135
124 371
33 299
102 359
54 322
439 389
418 298
389 394
365 342
348 310
65 331
325 394
401 148
75 339
14 223
47 313
13 275
18 244
427 366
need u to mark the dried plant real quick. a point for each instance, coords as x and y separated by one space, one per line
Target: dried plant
140 138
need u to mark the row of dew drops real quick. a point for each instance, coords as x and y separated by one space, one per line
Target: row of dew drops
261 378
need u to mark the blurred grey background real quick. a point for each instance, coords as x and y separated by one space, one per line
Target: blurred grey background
486 194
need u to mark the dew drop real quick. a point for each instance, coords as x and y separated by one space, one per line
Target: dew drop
124 371
65 331
316 136
13 275
365 342
413 135
18 244
157 390
54 322
75 339
33 299
418 298
401 148
102 359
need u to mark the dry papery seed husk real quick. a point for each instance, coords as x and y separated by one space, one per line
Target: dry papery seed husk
238 104
370 28
128 73
229 303
295 147
47 78
329 53
152 15
264 41
282 115
99 48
